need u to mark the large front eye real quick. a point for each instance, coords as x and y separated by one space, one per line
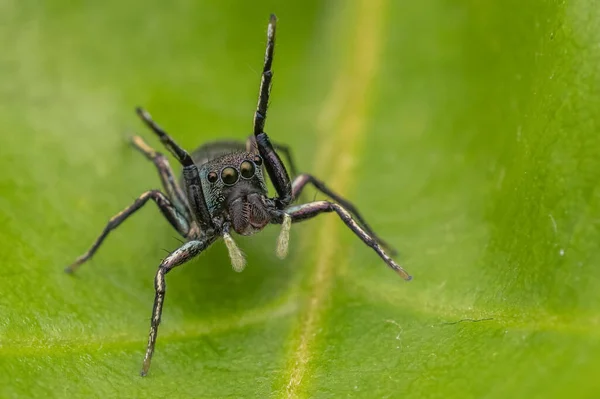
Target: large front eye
247 169
229 175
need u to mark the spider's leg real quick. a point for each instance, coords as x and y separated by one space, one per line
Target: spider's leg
177 220
182 155
312 209
287 153
194 193
178 257
260 115
166 174
275 168
285 150
301 181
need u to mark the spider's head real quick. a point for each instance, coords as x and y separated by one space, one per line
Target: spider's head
234 187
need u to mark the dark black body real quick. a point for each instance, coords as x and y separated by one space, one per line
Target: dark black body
223 188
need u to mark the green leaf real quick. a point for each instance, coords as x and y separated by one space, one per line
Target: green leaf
465 131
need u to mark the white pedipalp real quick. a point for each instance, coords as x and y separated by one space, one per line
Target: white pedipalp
238 261
284 237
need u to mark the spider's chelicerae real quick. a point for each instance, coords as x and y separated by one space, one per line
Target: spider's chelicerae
224 189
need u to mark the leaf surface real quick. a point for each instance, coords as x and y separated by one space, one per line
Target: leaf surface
465 132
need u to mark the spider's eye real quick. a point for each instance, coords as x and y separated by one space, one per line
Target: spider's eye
213 177
247 169
257 160
229 175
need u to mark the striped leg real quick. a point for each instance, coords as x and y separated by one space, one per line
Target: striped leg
301 181
312 209
177 220
166 174
178 257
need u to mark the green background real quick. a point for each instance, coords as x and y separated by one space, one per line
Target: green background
466 132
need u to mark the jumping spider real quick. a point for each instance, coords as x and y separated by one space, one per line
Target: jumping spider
224 189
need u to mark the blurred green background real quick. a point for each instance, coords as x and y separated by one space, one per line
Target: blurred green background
466 131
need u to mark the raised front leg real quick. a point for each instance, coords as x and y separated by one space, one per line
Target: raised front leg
176 218
251 146
275 168
178 257
312 209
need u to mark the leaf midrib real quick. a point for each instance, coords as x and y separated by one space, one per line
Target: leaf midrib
341 124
